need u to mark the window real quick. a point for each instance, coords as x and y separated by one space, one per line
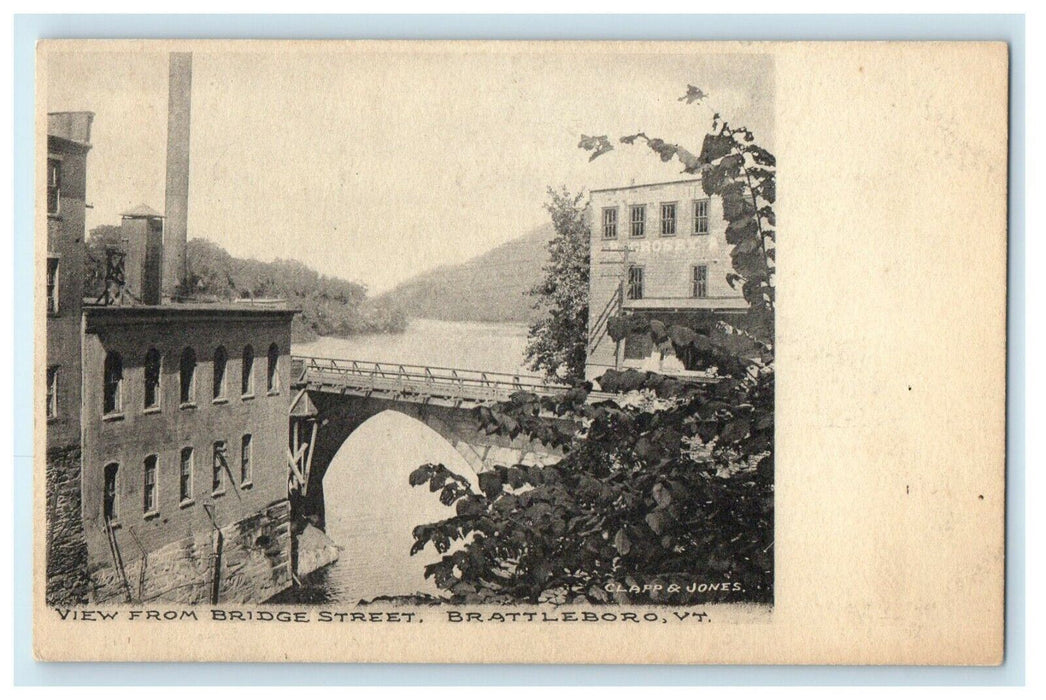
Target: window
700 285
610 222
185 476
247 372
638 346
52 285
668 219
638 220
149 484
701 216
220 362
635 282
54 185
187 375
52 391
151 395
218 466
273 382
245 460
113 379
110 492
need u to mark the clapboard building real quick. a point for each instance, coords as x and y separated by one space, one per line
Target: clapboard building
657 250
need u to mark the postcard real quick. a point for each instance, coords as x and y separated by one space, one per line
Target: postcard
422 351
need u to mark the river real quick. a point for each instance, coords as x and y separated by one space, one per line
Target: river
370 507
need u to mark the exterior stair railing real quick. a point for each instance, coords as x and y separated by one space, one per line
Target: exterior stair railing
114 551
599 328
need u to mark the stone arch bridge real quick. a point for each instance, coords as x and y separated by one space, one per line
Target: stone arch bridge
335 397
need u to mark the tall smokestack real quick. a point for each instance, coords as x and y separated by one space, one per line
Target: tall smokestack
177 193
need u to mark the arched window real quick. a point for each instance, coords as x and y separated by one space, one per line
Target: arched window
152 378
274 369
188 376
113 382
247 372
220 361
110 492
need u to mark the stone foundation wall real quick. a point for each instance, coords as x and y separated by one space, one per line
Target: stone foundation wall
67 580
254 565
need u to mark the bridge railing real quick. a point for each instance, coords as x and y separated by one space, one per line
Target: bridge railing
406 378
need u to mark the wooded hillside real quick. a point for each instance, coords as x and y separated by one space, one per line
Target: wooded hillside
492 287
329 306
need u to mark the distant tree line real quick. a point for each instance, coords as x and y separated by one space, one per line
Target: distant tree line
329 306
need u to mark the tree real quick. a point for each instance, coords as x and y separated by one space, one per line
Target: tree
671 484
556 343
329 305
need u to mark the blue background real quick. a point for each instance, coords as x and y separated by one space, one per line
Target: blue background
29 28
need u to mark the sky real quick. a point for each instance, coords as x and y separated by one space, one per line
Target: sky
375 162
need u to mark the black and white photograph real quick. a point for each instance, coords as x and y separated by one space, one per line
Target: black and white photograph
333 357
465 333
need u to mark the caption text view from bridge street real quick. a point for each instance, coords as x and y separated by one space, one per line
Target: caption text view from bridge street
565 400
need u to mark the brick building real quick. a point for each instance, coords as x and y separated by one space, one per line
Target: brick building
167 416
657 250
185 429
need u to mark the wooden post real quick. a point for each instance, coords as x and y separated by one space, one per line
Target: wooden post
216 577
622 288
308 459
216 573
292 463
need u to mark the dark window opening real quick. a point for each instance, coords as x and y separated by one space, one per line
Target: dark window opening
151 395
113 380
701 216
610 222
185 475
273 382
52 391
54 185
635 282
245 459
638 346
700 282
668 219
638 221
220 362
52 285
149 484
187 372
247 372
109 493
218 467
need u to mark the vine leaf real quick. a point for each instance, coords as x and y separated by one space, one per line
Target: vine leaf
597 144
693 94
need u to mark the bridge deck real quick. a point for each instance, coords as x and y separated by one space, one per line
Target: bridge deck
418 381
